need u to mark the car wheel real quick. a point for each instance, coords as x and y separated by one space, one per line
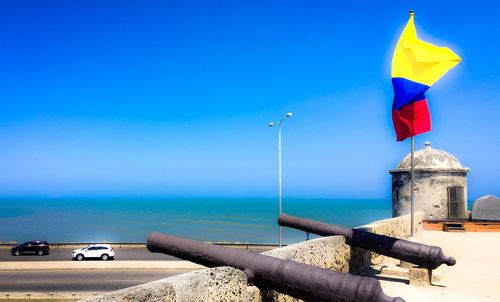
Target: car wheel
79 257
104 257
39 253
17 253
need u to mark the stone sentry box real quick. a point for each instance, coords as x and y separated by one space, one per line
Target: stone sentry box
440 185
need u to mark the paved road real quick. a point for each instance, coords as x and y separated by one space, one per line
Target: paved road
64 254
122 254
80 281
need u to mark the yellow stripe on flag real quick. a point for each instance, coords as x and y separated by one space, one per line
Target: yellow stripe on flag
419 61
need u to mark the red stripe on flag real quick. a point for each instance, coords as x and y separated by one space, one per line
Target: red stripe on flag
411 120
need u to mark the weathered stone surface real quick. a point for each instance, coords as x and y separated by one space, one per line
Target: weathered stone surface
253 294
327 252
486 208
221 284
419 277
435 171
398 227
431 192
430 158
273 296
391 269
152 292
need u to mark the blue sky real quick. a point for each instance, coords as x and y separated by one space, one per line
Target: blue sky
172 98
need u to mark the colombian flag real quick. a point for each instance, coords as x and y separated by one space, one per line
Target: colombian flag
416 65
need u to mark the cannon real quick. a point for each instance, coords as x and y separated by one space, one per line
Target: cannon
423 255
285 276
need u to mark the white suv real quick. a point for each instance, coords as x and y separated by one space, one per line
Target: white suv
103 251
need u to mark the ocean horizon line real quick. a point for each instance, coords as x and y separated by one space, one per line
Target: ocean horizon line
191 197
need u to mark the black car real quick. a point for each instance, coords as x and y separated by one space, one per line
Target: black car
31 247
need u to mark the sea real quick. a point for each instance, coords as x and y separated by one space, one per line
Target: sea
232 220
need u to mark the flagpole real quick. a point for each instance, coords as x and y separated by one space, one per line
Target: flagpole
412 172
412 180
412 197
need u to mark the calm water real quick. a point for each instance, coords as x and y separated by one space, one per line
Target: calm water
131 220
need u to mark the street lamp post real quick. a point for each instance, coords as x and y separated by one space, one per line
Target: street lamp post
271 124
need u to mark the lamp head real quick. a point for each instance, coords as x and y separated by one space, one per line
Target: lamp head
271 124
289 114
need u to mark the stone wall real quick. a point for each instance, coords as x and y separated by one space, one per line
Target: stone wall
227 284
328 252
223 284
431 191
398 227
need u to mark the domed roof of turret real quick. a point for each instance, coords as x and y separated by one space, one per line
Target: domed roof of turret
430 158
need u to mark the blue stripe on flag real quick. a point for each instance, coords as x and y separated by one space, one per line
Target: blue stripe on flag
406 92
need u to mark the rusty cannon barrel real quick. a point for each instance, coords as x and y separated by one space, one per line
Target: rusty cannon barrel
286 276
420 254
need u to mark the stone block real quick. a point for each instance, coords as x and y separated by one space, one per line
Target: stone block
327 252
419 277
253 294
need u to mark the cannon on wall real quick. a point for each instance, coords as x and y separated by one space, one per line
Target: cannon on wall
285 276
420 254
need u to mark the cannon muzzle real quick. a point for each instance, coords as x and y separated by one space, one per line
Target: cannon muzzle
286 276
420 254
